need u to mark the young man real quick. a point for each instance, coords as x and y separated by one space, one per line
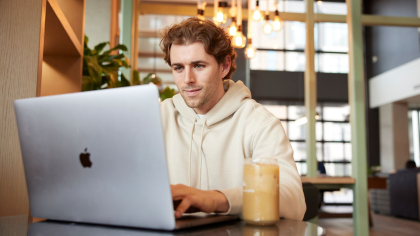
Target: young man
213 124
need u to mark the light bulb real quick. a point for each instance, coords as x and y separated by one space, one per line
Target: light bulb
239 40
233 28
257 14
249 51
277 24
268 28
220 17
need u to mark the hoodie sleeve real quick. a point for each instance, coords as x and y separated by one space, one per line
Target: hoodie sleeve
270 140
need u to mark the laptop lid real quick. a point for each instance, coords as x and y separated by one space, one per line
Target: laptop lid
97 157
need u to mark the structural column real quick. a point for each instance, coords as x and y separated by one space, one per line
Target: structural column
310 90
357 117
394 141
128 34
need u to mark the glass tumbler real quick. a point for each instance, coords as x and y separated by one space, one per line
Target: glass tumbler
261 191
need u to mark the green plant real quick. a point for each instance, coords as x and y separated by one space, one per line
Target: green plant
101 70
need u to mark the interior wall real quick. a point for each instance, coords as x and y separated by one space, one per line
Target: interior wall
386 48
98 21
20 24
394 141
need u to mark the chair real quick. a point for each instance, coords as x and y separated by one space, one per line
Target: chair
404 193
311 193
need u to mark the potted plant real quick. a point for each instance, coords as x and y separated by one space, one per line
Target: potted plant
101 70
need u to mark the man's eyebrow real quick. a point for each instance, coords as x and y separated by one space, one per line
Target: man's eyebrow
193 62
176 64
199 62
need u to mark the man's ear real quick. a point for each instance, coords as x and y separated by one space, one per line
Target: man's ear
226 66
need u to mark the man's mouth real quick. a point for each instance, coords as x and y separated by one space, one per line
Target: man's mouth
192 92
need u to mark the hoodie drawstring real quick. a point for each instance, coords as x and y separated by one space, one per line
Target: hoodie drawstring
189 155
201 153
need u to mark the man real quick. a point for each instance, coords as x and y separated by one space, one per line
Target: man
213 124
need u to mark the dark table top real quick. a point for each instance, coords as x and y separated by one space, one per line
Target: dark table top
20 226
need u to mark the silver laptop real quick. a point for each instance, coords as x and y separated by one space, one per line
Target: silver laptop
99 157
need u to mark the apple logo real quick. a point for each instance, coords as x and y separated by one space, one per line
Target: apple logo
84 159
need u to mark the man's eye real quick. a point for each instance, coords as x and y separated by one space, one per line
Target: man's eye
198 66
177 68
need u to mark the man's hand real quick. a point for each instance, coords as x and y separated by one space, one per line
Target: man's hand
187 199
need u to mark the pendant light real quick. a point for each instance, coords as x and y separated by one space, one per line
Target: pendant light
249 50
239 40
267 28
257 13
200 10
277 23
221 17
233 28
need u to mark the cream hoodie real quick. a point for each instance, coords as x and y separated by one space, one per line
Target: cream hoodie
208 153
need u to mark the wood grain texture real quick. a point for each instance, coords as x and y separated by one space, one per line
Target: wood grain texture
20 24
14 225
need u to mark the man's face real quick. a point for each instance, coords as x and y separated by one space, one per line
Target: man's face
198 76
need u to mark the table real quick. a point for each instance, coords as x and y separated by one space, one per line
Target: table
20 226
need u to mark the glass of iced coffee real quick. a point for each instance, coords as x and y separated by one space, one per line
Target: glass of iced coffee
261 191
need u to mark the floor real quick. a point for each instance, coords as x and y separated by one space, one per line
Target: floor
383 226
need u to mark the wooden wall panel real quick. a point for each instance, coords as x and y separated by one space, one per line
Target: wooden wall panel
20 24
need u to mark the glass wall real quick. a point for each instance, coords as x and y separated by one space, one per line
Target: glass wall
284 50
332 135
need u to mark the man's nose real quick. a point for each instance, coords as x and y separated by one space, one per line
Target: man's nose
189 76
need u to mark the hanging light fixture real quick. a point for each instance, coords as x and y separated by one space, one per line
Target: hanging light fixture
277 23
257 13
221 17
200 10
239 40
232 10
250 50
233 28
267 28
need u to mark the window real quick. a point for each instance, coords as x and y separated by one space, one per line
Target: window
284 50
332 135
150 56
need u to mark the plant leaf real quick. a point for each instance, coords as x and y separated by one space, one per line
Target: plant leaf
124 81
167 93
95 70
98 48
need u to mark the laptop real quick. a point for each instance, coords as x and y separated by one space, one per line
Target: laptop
99 157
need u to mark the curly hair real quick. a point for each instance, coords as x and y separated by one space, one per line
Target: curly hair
215 39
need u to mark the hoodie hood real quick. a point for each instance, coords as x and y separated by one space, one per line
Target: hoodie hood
236 94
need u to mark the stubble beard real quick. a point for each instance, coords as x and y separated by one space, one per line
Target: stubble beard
206 95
